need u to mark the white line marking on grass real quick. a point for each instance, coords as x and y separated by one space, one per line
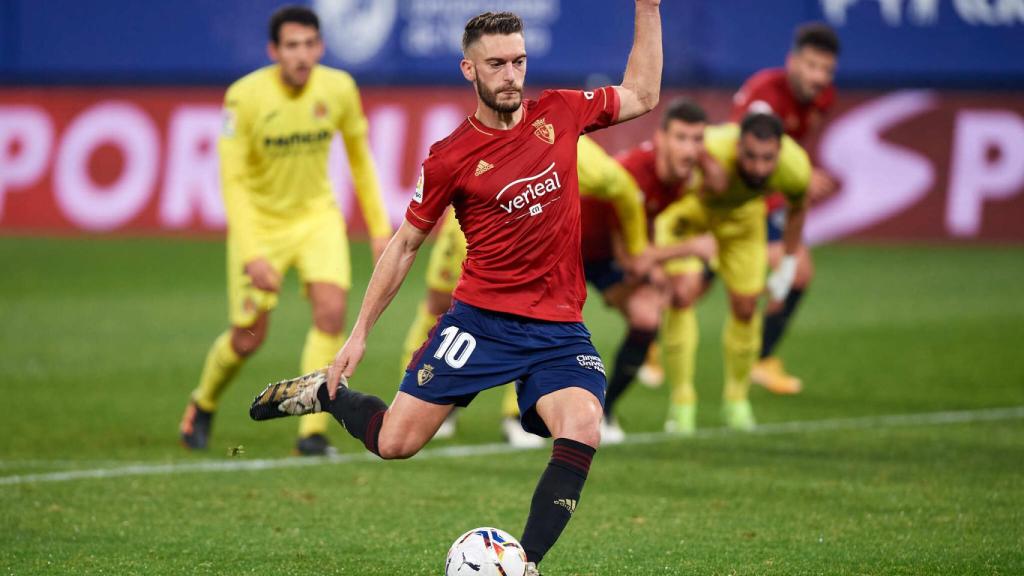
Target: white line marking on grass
867 422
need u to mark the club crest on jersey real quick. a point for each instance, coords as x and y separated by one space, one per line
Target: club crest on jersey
425 374
319 110
544 131
482 166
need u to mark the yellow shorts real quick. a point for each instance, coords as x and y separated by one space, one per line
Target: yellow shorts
445 265
315 245
739 231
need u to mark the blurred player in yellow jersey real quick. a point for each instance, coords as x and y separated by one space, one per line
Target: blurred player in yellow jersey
601 178
758 159
278 126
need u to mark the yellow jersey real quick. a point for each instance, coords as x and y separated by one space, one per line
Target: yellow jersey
790 177
274 151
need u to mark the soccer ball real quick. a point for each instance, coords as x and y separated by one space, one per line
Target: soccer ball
485 552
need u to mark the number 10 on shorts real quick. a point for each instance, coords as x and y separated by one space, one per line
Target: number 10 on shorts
456 347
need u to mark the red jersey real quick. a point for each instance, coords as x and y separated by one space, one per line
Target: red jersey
599 218
516 195
769 91
599 224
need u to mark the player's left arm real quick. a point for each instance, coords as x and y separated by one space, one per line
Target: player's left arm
641 84
387 278
353 127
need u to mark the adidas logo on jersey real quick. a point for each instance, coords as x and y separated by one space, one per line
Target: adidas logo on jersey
567 503
482 166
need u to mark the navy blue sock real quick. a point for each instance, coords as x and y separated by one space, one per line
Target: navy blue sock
556 496
360 414
775 324
628 361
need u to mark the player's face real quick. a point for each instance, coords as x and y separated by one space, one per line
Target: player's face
680 145
298 51
756 159
496 65
811 71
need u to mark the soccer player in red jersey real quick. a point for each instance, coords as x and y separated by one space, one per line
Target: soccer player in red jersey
510 173
801 95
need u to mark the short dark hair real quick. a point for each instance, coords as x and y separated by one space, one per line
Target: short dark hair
291 13
762 126
491 23
684 110
817 35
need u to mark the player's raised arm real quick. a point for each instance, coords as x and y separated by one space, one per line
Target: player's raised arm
641 84
387 278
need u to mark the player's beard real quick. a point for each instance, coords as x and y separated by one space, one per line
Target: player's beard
490 98
751 181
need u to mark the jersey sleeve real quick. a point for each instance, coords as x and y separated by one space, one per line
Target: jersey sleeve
233 148
602 177
353 127
794 172
592 109
351 122
434 191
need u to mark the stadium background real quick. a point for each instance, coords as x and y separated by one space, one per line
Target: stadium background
109 111
902 456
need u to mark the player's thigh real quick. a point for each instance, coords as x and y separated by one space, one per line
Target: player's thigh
743 249
686 288
643 307
323 251
409 424
246 302
573 413
680 221
446 257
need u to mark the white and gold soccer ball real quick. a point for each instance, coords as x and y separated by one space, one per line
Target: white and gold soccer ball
485 552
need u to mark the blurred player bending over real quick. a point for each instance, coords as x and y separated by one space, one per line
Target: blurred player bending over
281 211
510 172
757 158
800 94
672 164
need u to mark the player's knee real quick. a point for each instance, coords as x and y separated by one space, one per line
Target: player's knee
644 312
644 318
682 299
743 308
246 341
583 426
330 318
394 448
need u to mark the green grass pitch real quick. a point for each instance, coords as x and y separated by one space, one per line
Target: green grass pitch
102 340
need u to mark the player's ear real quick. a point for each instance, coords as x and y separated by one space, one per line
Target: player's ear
272 51
319 48
468 70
